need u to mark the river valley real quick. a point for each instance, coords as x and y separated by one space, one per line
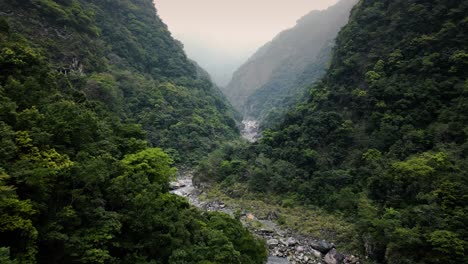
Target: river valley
285 246
185 188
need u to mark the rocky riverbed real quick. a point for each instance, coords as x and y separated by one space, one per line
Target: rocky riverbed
251 130
284 245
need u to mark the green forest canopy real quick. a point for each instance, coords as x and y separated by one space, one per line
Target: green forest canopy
382 139
81 178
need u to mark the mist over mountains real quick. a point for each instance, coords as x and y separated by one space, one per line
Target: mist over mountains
282 67
116 147
221 35
220 63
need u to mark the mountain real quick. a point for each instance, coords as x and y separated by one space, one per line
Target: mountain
275 76
381 139
134 67
97 104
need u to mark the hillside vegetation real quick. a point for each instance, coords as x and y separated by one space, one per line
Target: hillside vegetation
131 66
97 102
382 138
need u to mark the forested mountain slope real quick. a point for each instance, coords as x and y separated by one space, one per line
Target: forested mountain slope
383 138
275 76
133 66
87 90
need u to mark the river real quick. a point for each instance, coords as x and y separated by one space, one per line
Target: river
251 129
184 187
285 246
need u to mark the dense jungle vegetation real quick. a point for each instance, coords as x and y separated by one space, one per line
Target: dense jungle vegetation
382 138
97 104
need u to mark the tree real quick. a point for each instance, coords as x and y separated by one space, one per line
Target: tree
16 225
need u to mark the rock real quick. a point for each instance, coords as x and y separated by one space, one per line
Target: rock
177 185
272 242
174 186
250 217
333 257
300 249
322 246
291 242
316 253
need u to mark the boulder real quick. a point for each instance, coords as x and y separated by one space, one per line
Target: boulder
272 242
316 253
174 186
291 242
322 246
333 257
299 249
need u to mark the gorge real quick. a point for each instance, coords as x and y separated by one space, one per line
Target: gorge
343 140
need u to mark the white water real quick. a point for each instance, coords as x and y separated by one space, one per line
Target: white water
250 130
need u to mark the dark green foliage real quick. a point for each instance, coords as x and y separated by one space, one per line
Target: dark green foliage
126 62
4 27
138 36
382 138
69 12
79 180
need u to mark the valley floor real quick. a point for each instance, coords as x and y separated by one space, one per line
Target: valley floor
291 233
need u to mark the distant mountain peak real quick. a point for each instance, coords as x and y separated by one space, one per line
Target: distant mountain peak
272 74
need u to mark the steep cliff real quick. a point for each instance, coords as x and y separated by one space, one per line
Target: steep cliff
276 75
97 102
131 64
383 138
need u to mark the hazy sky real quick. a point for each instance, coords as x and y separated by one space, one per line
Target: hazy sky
221 34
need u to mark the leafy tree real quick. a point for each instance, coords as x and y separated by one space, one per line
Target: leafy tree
16 227
381 138
80 113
